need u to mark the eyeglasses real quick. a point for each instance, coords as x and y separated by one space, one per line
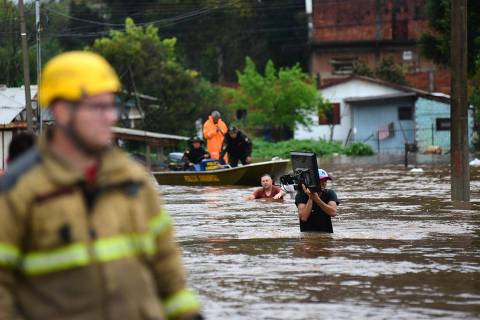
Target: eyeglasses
98 107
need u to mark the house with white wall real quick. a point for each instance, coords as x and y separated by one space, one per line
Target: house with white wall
12 117
383 115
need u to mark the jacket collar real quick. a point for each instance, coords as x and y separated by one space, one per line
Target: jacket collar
115 167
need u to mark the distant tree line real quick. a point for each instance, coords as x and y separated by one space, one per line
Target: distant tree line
169 49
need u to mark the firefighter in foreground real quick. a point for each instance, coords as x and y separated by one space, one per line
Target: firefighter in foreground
82 232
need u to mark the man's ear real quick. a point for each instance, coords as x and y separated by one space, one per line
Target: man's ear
61 112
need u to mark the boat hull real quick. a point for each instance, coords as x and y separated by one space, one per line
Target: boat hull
248 175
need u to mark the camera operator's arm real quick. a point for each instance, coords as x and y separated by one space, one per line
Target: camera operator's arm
329 208
305 209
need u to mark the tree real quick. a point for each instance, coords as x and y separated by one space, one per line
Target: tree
435 45
277 98
325 110
217 35
148 65
10 46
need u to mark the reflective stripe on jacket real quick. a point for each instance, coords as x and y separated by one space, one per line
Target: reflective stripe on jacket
63 259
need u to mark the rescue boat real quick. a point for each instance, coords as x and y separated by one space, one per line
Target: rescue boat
247 175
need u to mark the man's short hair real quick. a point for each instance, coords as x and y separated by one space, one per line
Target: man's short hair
216 114
266 175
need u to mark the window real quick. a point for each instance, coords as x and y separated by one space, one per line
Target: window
405 113
332 117
443 124
343 66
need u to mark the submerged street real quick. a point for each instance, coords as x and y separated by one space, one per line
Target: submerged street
399 251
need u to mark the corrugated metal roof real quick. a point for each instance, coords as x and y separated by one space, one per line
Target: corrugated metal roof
12 102
147 134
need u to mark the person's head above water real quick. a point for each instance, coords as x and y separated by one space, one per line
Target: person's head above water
266 181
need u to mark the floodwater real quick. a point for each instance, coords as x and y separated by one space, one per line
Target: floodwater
399 251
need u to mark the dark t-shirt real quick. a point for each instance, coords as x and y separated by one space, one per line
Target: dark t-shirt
318 220
260 193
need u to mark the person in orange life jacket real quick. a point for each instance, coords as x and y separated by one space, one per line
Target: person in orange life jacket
268 189
214 130
238 147
315 209
83 232
195 153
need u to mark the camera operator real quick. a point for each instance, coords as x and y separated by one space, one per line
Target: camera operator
315 209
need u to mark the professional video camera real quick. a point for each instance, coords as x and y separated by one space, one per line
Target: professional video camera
305 171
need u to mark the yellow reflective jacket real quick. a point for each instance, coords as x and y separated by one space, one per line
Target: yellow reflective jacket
71 250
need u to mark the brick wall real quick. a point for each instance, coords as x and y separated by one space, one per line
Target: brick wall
355 20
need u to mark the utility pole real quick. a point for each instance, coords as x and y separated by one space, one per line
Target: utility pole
460 174
26 67
39 61
309 13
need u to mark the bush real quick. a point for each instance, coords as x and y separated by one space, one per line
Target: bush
266 150
359 149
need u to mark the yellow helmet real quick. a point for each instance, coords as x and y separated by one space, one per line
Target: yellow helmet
74 75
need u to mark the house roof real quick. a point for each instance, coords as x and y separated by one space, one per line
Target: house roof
12 102
417 92
393 96
149 137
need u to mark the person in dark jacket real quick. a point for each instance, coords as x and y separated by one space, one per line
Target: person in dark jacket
238 147
195 153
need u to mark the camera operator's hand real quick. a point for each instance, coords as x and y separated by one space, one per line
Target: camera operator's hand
312 195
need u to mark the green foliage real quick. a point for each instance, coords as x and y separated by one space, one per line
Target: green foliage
389 71
220 34
386 70
10 43
267 150
361 68
149 65
359 149
277 98
435 45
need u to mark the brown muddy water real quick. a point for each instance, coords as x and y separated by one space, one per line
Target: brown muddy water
399 251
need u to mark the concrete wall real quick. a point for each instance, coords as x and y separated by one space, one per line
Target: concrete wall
369 117
337 94
5 138
426 113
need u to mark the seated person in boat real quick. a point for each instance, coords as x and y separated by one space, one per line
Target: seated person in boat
238 147
195 154
268 189
315 209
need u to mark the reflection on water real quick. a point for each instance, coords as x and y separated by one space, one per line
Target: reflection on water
399 251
